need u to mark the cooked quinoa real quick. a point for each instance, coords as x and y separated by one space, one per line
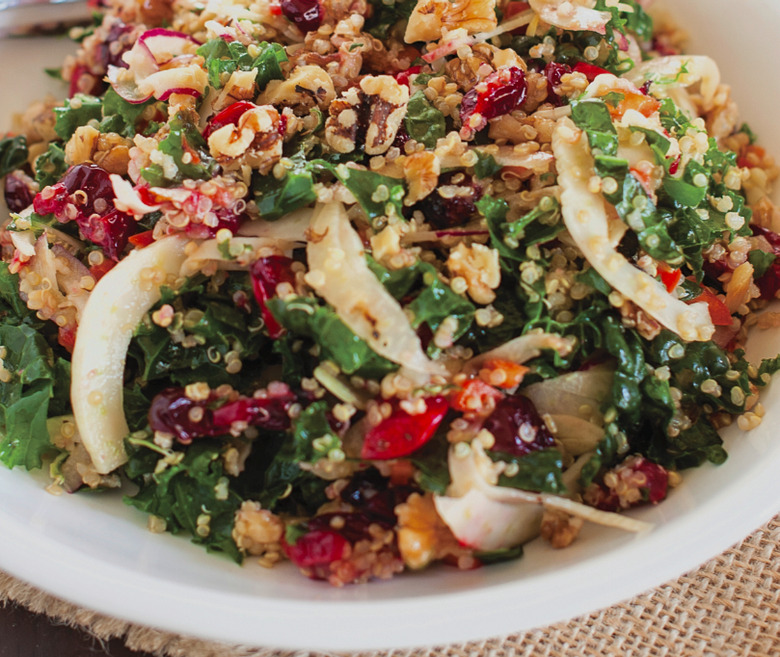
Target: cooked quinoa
372 286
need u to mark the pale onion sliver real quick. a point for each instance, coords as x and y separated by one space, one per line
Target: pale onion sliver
290 227
339 274
571 15
521 349
115 307
586 221
675 71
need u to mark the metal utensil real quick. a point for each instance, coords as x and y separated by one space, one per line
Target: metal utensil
39 17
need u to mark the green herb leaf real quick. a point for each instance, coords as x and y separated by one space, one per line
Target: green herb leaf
13 154
188 495
423 121
539 471
223 58
50 166
77 111
121 116
306 318
183 137
25 398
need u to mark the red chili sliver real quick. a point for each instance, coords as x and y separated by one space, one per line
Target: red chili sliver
403 433
670 279
719 312
228 116
590 71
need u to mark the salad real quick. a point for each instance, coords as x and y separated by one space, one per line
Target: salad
370 286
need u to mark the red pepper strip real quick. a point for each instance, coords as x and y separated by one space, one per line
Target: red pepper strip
404 76
401 433
590 71
228 116
140 240
719 312
670 278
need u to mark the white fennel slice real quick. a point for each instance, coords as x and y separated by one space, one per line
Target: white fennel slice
338 272
586 221
676 71
114 309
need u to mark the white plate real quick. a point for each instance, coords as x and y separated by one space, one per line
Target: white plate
94 551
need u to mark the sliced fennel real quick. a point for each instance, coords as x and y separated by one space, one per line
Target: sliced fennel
114 309
586 221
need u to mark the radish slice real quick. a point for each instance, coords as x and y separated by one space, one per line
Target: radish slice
586 220
164 44
115 307
123 82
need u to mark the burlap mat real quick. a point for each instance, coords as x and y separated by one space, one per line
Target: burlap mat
729 606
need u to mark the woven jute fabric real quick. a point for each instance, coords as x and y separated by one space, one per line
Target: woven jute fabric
728 607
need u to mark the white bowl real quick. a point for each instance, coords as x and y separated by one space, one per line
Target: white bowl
94 551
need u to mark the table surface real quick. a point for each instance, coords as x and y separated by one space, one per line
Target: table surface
24 634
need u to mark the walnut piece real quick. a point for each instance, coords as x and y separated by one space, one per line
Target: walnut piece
378 106
306 87
254 141
478 266
421 171
559 528
108 150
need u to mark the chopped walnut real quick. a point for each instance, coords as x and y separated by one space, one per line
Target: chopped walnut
108 150
388 100
254 141
378 107
430 18
307 86
559 528
421 171
343 123
478 266
240 86
634 317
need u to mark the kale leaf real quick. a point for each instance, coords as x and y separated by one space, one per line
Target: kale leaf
13 153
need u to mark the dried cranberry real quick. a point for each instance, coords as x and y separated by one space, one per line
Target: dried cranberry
443 213
266 274
328 539
498 94
171 411
83 81
517 427
270 413
634 482
306 14
554 72
401 433
109 54
18 194
769 283
85 194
